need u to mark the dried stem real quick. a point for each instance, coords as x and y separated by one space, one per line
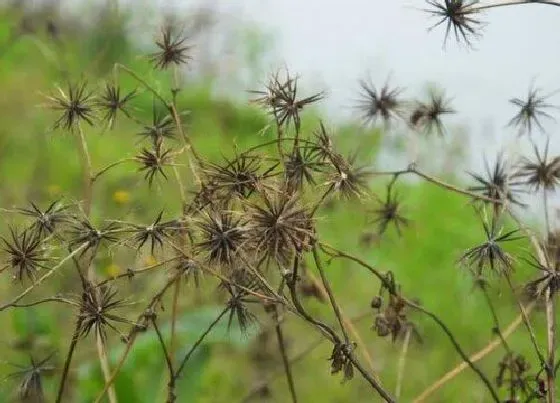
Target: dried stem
284 354
104 361
68 360
87 172
402 362
168 361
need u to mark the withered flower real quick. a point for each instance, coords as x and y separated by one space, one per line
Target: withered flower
25 253
163 126
531 110
97 308
389 212
392 321
45 222
549 279
75 105
340 360
458 15
279 227
172 49
490 253
238 176
384 104
280 98
300 167
155 233
31 384
84 233
427 116
540 173
348 180
323 144
497 184
153 162
222 236
111 101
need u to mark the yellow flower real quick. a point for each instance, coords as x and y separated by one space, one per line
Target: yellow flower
113 270
121 197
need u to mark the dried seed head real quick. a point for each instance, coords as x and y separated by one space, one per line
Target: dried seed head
459 16
490 253
389 212
84 233
31 384
221 236
347 180
280 98
497 184
384 104
155 233
427 116
540 173
279 227
97 308
163 126
45 222
531 110
300 167
112 102
172 49
25 253
153 162
75 105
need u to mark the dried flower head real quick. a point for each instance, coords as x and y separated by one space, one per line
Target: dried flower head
427 116
278 227
497 184
540 173
323 144
389 212
31 385
280 98
97 308
348 180
155 233
222 235
75 106
300 167
458 15
490 253
392 321
153 162
237 177
242 282
384 104
172 49
84 234
549 279
25 253
163 126
531 110
111 101
340 360
45 222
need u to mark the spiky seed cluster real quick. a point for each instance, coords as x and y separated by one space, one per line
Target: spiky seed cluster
427 116
498 183
112 101
540 172
83 232
155 233
97 308
548 280
31 379
281 99
530 111
279 226
300 167
348 180
237 177
46 222
490 254
25 253
75 105
389 212
172 49
222 235
162 127
384 104
153 161
458 15
239 290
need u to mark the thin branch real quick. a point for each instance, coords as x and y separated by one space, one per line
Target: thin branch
285 360
402 362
